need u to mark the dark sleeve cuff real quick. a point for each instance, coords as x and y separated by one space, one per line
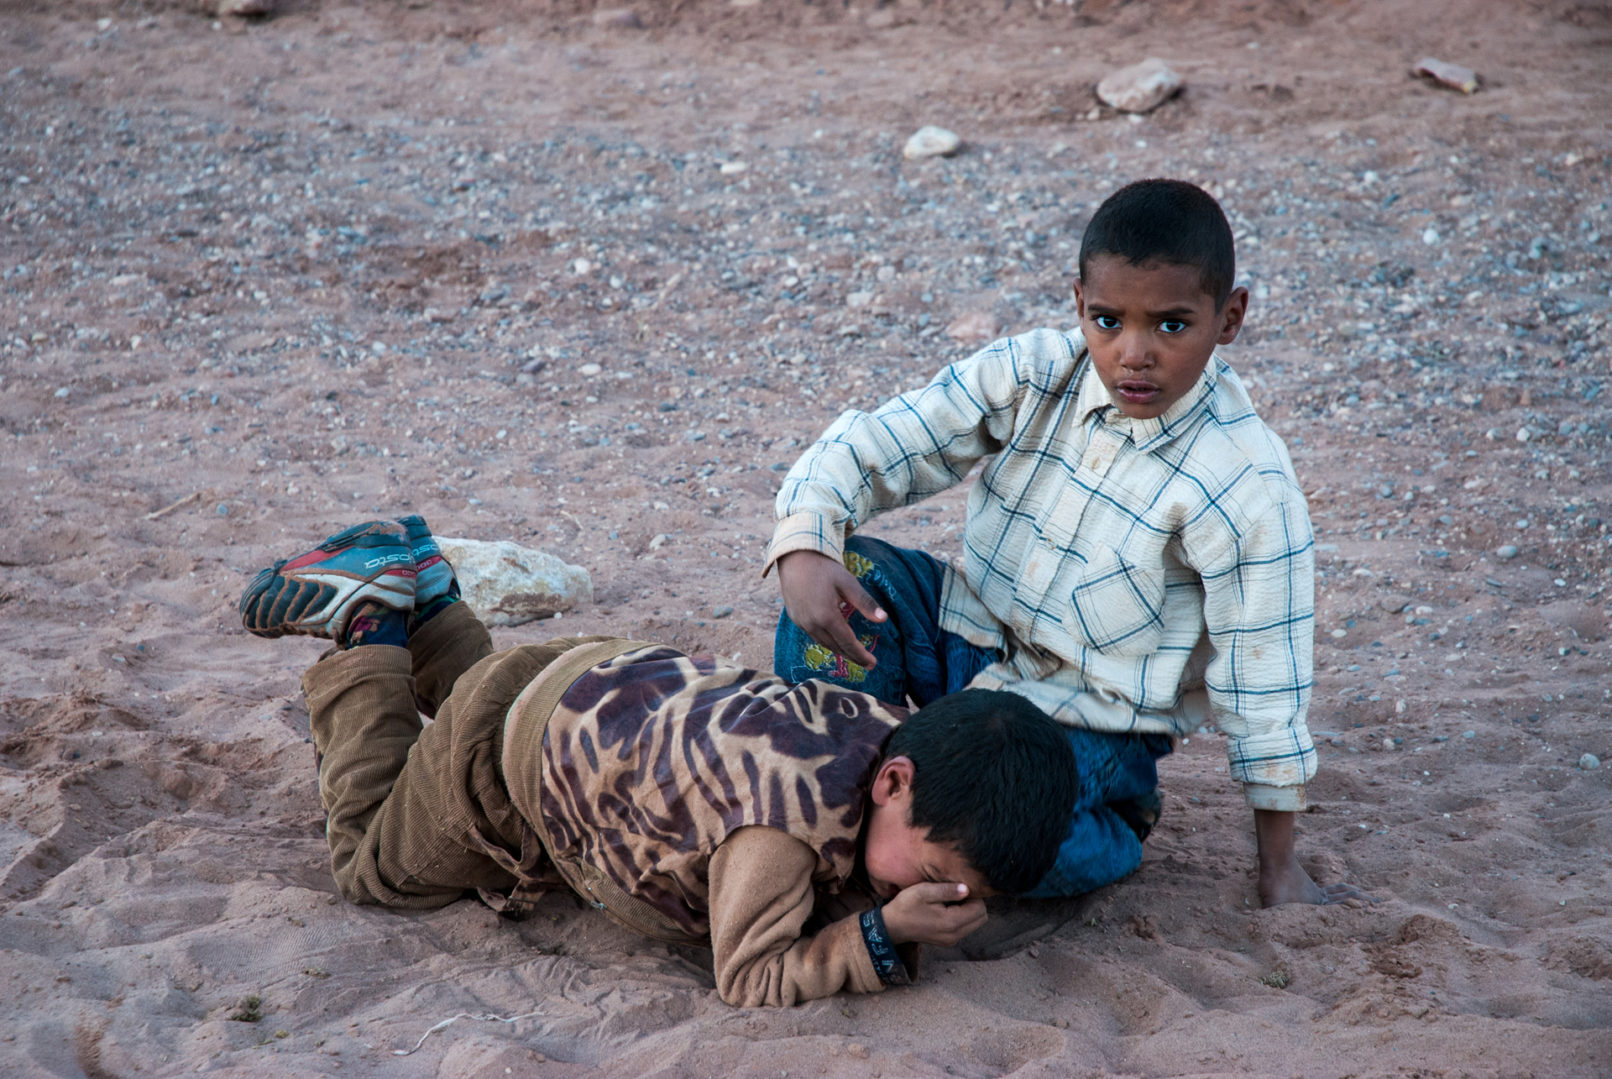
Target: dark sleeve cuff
886 963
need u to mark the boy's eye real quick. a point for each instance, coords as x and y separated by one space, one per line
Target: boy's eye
1106 322
1172 325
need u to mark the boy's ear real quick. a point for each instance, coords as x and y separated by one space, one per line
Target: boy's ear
893 781
1080 301
1231 315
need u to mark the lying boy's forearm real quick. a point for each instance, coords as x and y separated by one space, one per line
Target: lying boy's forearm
761 896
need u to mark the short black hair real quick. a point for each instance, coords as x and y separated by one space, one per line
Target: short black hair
994 775
1164 221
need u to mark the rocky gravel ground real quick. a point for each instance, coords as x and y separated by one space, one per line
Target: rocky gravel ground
591 279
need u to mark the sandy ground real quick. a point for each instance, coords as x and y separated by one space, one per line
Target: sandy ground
589 281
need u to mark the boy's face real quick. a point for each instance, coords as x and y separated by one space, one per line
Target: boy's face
896 854
1151 329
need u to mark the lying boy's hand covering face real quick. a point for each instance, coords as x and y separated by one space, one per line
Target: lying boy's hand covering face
897 854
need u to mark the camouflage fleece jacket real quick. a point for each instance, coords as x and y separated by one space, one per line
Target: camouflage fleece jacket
696 800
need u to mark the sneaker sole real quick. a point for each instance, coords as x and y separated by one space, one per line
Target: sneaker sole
299 597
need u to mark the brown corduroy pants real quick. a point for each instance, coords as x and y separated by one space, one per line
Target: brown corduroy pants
417 815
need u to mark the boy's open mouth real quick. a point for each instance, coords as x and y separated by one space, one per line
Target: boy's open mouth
1139 392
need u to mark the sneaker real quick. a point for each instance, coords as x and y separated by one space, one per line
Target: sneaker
436 580
315 594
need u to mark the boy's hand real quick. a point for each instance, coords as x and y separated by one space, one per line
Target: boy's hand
819 593
933 913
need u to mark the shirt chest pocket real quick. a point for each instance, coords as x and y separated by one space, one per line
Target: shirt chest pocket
1115 606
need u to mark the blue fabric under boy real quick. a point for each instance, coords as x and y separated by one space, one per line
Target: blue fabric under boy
919 661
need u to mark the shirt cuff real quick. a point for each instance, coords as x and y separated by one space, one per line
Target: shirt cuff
1280 799
886 963
804 532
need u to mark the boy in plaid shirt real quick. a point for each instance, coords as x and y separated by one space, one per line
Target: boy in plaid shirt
1137 558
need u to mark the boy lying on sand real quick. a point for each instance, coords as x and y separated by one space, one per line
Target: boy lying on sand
811 835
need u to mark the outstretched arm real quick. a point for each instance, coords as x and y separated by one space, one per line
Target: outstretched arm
1281 878
761 896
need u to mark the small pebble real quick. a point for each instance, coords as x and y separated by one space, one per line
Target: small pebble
1589 762
1139 87
1506 553
721 612
1469 734
930 141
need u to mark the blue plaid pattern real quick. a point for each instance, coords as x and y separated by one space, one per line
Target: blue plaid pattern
1138 575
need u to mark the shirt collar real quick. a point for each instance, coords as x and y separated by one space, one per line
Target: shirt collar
1152 433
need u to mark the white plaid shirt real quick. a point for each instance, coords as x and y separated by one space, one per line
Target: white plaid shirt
1137 575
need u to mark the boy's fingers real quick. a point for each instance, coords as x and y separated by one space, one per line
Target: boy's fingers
843 640
857 596
939 892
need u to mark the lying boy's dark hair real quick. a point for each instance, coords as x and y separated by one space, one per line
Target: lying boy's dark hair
1164 221
986 764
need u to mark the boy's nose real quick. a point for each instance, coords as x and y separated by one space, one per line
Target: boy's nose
1134 354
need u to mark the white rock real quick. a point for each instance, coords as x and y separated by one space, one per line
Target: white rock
508 584
929 141
245 7
1454 76
589 370
1140 87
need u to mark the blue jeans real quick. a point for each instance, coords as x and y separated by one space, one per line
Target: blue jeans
1117 800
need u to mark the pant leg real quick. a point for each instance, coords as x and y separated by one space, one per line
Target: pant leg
917 659
418 817
447 646
1118 784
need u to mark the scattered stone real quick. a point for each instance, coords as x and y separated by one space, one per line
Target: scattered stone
732 168
243 8
624 18
1469 734
976 327
721 612
589 370
858 299
1525 434
1506 552
930 141
1140 87
1454 76
1589 762
508 584
659 541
